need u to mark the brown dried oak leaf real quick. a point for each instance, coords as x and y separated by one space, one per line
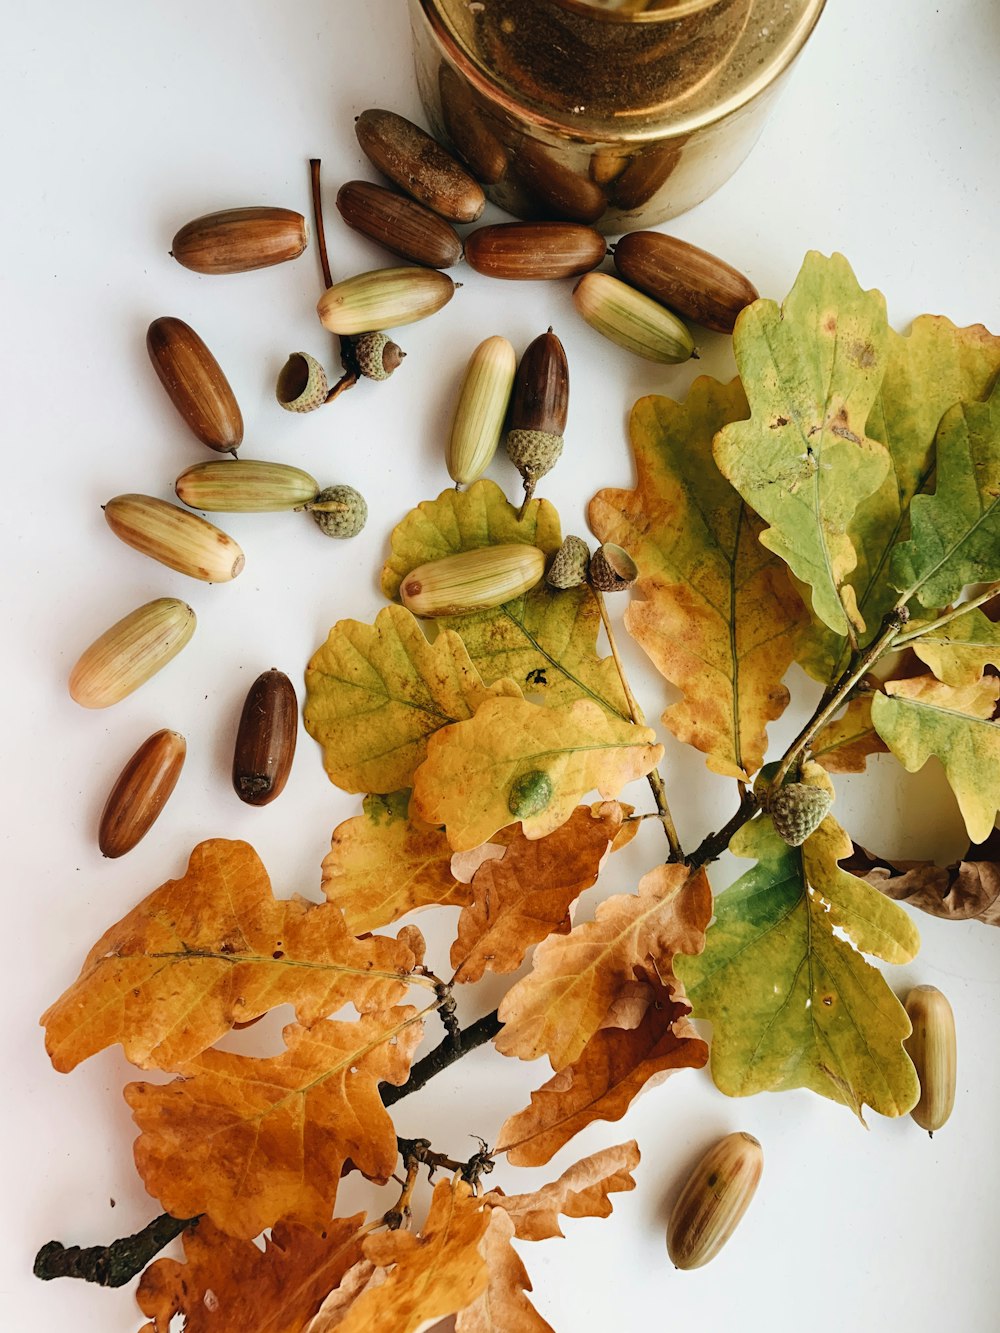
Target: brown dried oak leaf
209 950
504 1306
968 890
232 1286
581 1191
248 1141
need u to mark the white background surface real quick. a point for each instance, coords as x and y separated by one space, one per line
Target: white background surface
120 122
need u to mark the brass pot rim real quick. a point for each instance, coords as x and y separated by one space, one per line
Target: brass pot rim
676 9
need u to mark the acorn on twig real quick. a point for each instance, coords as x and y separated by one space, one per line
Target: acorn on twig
377 355
797 810
538 410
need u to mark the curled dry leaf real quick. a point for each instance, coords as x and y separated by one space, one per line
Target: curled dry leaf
581 1191
364 1276
232 1286
575 979
209 950
248 1141
383 864
519 900
968 890
504 1306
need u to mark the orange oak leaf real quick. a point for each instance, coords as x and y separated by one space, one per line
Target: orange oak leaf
581 1191
520 899
232 1286
504 1306
248 1141
432 1275
335 1309
383 864
714 610
576 978
209 950
615 1066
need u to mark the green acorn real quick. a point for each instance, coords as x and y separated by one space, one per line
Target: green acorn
339 511
797 810
377 355
538 409
569 564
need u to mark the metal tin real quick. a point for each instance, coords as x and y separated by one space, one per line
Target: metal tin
619 113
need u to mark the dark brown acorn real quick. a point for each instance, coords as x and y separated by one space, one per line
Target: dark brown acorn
538 409
696 284
399 224
195 383
265 740
419 165
531 251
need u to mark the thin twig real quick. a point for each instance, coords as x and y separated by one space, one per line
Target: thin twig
399 1214
919 631
654 779
345 344
715 844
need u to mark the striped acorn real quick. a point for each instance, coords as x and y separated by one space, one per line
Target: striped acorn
399 224
195 383
696 284
530 251
130 652
140 792
385 298
932 1048
714 1198
538 410
302 384
265 739
458 585
178 539
632 320
481 410
245 486
237 240
419 165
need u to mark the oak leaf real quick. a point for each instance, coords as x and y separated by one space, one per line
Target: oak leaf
209 950
545 640
812 371
923 717
575 979
383 864
717 615
515 761
844 745
364 1276
792 1004
616 1064
955 533
959 651
375 693
432 1275
968 890
503 1307
582 1190
523 897
248 1141
232 1286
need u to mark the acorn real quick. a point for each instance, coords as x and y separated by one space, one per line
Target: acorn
130 652
691 281
532 251
195 383
384 298
481 409
458 585
538 410
473 140
377 355
302 384
932 1048
797 810
569 564
265 739
612 569
245 486
339 511
140 792
237 240
715 1196
632 320
399 224
419 165
174 536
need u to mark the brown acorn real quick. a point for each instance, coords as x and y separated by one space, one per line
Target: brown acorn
691 281
529 251
538 409
265 740
419 165
195 383
399 224
140 792
237 240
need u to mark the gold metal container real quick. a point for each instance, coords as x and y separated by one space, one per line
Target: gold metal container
620 113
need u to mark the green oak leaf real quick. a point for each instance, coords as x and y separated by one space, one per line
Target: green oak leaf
792 1004
812 371
959 651
922 717
545 640
955 533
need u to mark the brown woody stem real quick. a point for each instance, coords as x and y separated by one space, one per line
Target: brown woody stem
345 345
992 591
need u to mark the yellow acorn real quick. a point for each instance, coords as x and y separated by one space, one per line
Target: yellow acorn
174 536
458 585
482 407
632 320
383 299
245 486
932 1048
130 652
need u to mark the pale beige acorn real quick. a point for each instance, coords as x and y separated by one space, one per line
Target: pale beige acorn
458 585
632 320
482 406
383 299
714 1198
932 1048
130 652
175 537
245 486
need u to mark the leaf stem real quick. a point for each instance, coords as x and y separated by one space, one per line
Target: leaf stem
654 779
920 630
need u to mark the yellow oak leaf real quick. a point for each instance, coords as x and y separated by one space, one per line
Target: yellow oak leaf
375 693
575 979
923 717
503 1307
545 640
432 1275
515 761
843 745
520 899
384 864
248 1141
209 950
959 651
581 1191
616 1064
232 1286
715 611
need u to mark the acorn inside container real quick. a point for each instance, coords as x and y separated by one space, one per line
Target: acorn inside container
616 113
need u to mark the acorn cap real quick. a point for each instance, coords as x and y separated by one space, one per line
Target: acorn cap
533 452
302 384
339 511
377 355
797 811
569 564
612 569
